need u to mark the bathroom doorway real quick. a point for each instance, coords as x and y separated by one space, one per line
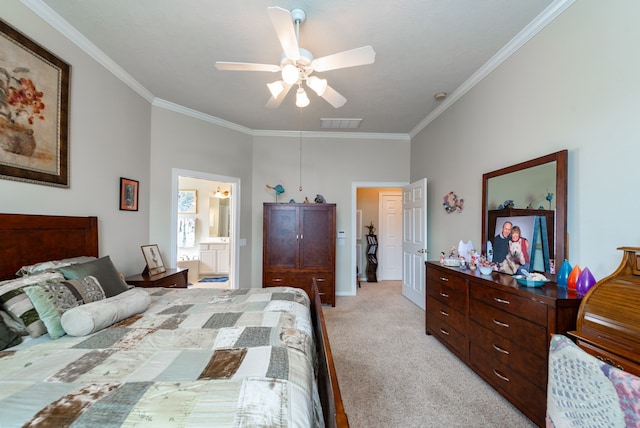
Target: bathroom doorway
205 227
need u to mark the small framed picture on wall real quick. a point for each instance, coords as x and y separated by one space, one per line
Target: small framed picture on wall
128 194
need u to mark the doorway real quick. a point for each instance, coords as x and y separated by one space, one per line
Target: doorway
205 230
363 214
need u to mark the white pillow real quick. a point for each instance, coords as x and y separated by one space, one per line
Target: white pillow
95 316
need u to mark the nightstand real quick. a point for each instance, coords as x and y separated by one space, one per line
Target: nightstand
172 278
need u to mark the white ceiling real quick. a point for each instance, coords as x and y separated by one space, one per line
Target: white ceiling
422 47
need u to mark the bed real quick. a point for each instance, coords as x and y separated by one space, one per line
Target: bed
195 357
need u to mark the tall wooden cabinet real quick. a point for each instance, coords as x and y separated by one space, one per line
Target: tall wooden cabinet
299 244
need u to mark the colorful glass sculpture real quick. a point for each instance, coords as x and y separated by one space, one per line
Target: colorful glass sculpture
585 281
562 278
573 277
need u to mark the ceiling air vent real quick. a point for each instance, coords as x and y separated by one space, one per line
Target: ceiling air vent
340 123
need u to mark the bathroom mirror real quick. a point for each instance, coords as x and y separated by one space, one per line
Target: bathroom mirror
218 217
529 185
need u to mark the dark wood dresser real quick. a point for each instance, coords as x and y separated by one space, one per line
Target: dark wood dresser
500 329
608 325
299 244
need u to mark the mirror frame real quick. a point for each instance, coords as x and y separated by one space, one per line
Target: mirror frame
561 251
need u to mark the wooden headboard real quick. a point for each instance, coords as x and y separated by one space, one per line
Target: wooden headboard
26 239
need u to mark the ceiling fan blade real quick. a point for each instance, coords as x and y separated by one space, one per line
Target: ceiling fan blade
283 24
275 102
246 66
333 97
351 58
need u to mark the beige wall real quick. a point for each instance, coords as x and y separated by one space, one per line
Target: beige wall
109 138
329 167
574 86
187 143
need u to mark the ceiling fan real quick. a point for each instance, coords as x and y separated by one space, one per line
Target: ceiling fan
297 64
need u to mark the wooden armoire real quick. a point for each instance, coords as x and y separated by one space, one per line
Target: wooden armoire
299 244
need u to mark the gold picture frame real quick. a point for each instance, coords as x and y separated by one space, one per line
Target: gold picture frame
153 258
34 111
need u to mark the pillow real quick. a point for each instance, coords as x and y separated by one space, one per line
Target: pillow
13 324
17 303
52 299
8 337
103 270
51 265
92 317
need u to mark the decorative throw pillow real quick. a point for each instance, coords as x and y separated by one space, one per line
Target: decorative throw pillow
52 299
52 265
17 303
103 270
87 319
13 324
8 337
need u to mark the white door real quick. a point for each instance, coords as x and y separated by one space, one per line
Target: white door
414 241
390 236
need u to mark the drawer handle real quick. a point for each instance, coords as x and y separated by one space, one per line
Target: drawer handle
501 324
277 280
499 349
320 280
610 362
503 377
444 313
442 278
444 294
499 300
443 331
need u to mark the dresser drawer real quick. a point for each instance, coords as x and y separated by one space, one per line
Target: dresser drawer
452 338
509 353
529 335
523 307
446 278
529 397
447 315
447 295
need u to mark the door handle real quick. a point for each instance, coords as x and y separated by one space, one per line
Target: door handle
423 251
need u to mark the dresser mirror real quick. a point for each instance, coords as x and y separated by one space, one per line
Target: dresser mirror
538 189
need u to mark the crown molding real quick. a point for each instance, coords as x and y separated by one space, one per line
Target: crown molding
56 21
168 105
534 27
341 135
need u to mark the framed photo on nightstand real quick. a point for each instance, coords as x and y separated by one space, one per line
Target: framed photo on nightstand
152 256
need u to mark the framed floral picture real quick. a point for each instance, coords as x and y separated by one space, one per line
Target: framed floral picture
128 194
34 105
187 202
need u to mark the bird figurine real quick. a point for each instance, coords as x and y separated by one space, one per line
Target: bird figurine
278 189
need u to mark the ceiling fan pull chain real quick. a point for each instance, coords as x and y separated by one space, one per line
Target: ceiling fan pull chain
300 128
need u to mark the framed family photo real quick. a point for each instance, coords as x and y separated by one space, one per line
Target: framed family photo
128 194
153 258
34 111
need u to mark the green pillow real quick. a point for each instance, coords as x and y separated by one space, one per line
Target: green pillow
104 271
8 337
47 312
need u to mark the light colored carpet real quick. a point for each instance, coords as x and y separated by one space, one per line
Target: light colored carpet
391 374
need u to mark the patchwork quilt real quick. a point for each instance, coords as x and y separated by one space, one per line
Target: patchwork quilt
195 357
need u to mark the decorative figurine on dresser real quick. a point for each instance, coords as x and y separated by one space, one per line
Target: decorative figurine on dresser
299 244
608 325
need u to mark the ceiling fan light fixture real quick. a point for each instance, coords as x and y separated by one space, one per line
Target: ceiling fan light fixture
275 88
302 100
290 74
317 84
